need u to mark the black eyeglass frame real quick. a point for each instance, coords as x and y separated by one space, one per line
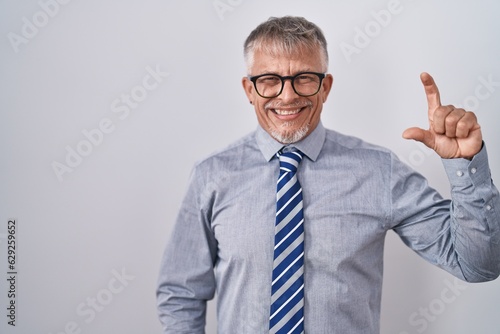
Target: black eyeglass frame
254 78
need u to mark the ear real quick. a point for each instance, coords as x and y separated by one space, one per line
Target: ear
248 88
326 86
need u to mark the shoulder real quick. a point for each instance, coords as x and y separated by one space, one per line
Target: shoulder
345 144
229 155
359 156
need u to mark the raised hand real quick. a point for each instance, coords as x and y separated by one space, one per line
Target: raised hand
452 133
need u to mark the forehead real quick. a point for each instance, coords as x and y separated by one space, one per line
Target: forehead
286 64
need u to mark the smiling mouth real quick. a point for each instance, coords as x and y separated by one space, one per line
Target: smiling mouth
287 112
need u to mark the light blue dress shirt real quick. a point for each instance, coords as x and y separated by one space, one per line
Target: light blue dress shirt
353 193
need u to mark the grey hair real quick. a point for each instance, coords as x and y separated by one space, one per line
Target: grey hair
289 35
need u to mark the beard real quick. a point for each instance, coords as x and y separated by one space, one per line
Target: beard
286 135
286 132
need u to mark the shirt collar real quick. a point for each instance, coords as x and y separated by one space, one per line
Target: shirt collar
310 145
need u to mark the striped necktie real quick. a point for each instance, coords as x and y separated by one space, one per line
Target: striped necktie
287 291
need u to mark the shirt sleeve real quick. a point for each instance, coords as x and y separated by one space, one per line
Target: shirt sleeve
460 235
186 281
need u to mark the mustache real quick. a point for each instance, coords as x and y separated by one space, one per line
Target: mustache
279 104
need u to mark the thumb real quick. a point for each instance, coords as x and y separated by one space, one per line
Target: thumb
418 134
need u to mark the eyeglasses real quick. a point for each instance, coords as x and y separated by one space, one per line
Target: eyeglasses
271 85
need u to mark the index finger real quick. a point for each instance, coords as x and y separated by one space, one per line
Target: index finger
431 91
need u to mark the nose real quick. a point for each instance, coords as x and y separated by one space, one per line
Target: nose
288 94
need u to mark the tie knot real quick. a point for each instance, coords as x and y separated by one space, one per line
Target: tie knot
289 161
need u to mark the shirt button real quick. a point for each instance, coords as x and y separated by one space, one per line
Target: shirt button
460 173
473 170
488 207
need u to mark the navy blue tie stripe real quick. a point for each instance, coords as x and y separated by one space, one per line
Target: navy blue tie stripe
287 289
290 265
291 195
287 238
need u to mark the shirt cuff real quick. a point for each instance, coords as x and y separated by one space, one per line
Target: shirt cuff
463 172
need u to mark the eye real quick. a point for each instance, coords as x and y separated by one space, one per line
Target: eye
269 80
306 78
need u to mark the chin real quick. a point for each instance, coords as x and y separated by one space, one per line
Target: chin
290 136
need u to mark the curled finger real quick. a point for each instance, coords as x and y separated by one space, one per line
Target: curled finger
439 118
466 124
452 121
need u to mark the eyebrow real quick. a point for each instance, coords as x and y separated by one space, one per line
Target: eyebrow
266 71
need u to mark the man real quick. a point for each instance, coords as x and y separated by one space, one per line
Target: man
336 198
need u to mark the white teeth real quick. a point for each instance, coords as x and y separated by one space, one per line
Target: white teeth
287 112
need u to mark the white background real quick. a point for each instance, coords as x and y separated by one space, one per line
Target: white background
112 213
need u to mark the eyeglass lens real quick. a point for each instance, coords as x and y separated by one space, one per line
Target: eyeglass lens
304 84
